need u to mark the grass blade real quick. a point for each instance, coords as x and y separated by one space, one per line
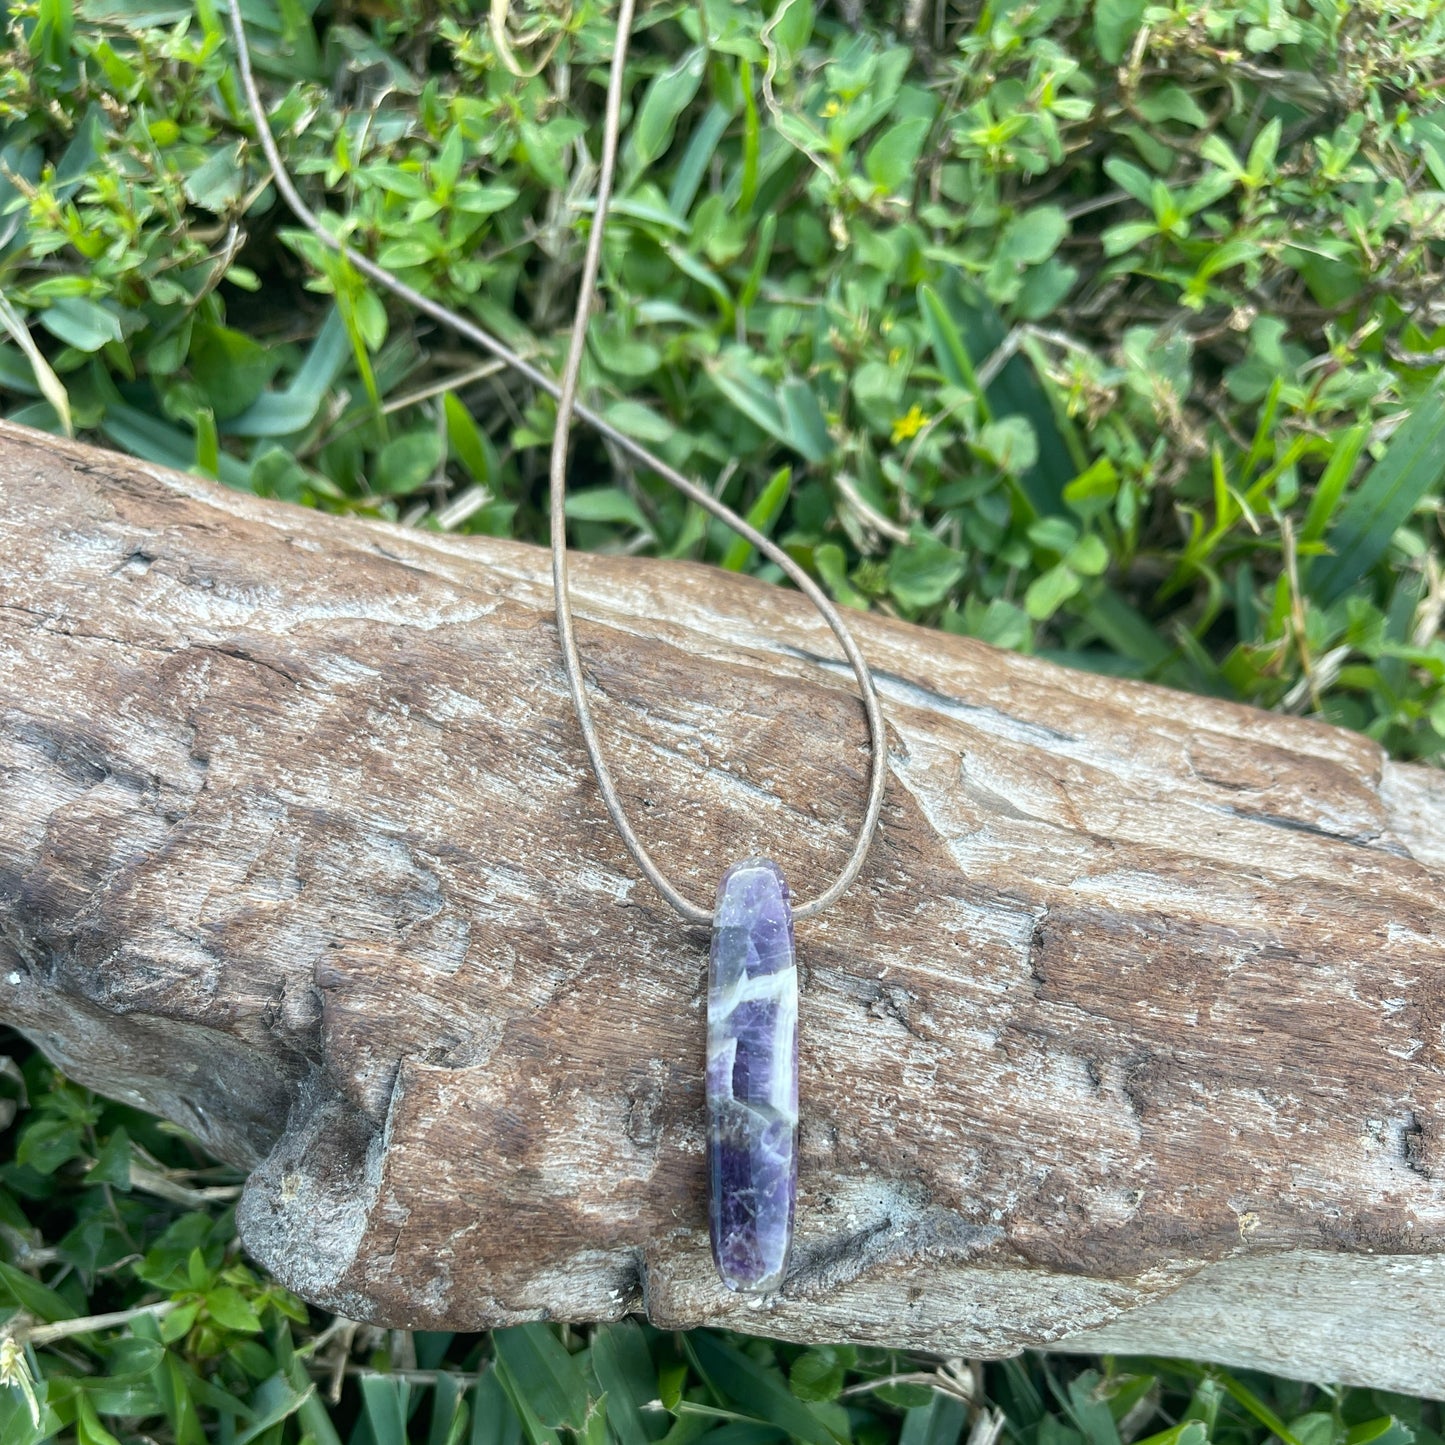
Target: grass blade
386 1403
546 1376
51 387
762 514
939 1422
494 1421
1412 466
625 1371
949 350
1332 483
761 1392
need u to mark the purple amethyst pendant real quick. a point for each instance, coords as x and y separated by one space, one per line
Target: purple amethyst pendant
752 1078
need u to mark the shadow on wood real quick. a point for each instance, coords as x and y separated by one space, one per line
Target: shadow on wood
1129 1038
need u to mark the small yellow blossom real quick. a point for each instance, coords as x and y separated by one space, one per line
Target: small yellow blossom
895 356
909 424
832 109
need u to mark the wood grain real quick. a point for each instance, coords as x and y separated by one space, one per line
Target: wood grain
1130 1036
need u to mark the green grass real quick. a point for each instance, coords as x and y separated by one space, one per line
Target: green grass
1087 327
103 1209
1106 330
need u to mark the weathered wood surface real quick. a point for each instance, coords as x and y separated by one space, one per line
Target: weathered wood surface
1130 1036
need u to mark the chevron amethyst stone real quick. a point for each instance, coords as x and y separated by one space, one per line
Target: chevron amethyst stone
752 1078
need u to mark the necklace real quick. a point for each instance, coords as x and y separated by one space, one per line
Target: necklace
752 1076
752 1000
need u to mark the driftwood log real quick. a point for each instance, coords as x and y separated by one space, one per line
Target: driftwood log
1129 1038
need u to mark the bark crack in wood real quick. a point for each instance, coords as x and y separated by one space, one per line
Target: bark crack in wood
1370 838
1416 1149
909 1228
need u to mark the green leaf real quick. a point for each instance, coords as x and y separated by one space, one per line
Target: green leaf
745 1432
891 159
51 387
939 1422
1116 22
1187 1432
1315 1427
469 444
407 463
446 168
174 1384
476 199
398 255
450 1415
88 1429
85 325
1010 444
1020 388
1126 175
1172 102
1089 1409
230 368
1050 590
1053 534
47 1142
807 427
922 575
215 184
688 177
818 1374
1244 1396
764 406
1088 556
50 41
948 346
753 1389
640 422
112 1163
626 356
792 28
545 1375
671 1382
494 1421
286 412
386 1401
1264 150
606 504
229 1307
275 1400
1035 234
199 1273
626 1374
1126 236
32 1296
208 443
1386 1430
1333 481
1412 466
666 98
133 1357
832 566
761 515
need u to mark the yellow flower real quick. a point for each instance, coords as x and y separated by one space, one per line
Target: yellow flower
909 424
832 108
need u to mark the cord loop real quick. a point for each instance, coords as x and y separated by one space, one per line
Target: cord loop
567 408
